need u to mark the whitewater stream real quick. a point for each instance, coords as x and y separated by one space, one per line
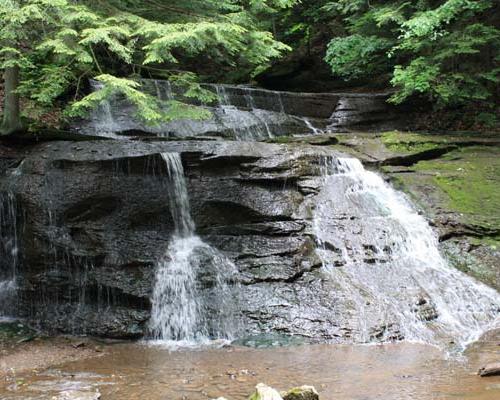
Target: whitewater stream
182 314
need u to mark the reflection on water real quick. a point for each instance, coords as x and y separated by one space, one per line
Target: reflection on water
391 371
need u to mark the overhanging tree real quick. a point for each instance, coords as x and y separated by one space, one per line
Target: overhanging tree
48 47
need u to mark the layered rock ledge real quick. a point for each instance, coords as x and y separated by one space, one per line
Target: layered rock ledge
94 217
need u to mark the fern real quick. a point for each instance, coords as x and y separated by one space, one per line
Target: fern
149 108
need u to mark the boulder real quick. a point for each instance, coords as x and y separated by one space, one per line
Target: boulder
302 393
264 392
490 369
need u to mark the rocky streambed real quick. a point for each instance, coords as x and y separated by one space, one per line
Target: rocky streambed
338 372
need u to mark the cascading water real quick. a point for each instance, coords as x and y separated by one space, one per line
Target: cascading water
241 112
103 119
384 262
247 125
9 248
191 295
310 126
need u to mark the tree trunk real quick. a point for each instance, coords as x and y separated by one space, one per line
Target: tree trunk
11 108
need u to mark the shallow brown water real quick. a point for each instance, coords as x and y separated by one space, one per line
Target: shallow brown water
393 371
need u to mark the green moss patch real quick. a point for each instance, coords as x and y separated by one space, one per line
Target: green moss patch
471 179
409 143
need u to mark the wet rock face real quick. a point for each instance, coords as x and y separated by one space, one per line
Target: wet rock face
248 113
302 393
96 218
365 112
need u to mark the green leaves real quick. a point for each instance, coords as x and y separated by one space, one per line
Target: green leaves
45 84
441 52
355 56
58 44
149 108
110 37
188 83
192 38
428 23
418 77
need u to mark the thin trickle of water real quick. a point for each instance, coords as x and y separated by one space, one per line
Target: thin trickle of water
223 96
309 125
159 94
384 260
103 119
280 102
178 195
9 249
108 120
169 93
191 300
251 105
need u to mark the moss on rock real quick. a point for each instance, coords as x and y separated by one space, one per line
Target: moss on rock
460 192
409 142
301 393
471 179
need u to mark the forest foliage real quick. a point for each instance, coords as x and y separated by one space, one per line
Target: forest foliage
49 48
446 51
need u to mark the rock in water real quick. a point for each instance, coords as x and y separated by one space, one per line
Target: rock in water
264 392
490 369
302 393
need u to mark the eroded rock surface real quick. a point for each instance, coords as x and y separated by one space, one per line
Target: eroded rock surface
95 218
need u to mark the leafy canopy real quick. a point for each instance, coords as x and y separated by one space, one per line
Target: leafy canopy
58 44
446 50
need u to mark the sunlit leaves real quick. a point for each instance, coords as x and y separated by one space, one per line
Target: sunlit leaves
110 37
193 39
58 44
150 109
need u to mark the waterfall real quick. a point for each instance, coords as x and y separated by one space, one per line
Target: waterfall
243 113
251 105
102 118
191 300
311 127
178 195
9 248
246 125
384 262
